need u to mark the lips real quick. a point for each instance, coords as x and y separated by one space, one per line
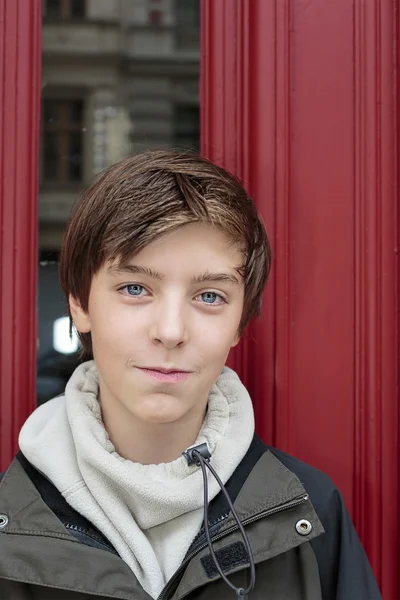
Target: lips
166 375
163 370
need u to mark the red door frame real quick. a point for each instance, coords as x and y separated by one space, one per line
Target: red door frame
299 99
20 85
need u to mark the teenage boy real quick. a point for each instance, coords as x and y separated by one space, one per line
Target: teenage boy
163 264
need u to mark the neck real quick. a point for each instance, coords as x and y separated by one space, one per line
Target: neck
145 442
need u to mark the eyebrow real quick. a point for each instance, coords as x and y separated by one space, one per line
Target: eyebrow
134 270
224 277
203 277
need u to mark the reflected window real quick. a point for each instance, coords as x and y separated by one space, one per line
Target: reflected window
187 127
57 356
119 77
64 10
63 342
63 140
155 17
188 23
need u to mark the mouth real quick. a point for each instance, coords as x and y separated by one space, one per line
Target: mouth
167 375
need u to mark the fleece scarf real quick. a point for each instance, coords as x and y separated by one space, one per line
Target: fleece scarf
150 513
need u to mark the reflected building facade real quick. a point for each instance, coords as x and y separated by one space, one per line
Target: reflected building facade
119 76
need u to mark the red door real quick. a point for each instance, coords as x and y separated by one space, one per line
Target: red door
300 100
20 85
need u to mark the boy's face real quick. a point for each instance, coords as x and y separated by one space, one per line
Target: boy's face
177 307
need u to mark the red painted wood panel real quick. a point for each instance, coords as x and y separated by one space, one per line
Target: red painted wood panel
20 84
322 237
299 99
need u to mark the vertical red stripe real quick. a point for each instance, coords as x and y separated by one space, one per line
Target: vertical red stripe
20 84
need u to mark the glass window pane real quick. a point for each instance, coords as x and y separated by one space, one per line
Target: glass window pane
188 24
155 17
50 157
63 342
53 9
75 111
50 112
188 13
54 368
99 107
77 8
187 127
75 156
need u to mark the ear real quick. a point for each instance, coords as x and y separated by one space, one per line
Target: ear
79 316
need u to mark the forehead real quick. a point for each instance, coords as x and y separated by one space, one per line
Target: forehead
192 237
189 250
199 241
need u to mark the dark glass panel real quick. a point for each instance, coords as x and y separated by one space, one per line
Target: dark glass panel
50 112
75 156
75 111
188 13
77 9
155 17
53 9
50 156
187 126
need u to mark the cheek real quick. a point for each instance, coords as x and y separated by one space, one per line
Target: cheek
215 342
112 327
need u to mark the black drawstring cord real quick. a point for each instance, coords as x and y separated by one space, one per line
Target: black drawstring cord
201 457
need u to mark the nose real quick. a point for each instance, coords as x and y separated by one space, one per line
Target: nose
169 326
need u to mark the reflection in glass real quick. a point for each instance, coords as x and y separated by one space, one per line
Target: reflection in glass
75 109
187 126
77 8
64 9
50 156
74 157
63 342
188 23
119 76
62 140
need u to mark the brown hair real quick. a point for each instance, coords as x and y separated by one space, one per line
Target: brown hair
142 197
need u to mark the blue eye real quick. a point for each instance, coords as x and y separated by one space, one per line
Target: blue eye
210 297
134 289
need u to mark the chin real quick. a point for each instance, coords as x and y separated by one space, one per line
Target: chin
161 418
161 410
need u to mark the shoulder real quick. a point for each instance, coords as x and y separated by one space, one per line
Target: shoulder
14 471
325 497
322 491
343 566
318 485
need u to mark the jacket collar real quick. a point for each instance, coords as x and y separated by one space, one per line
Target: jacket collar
38 550
35 536
272 501
67 515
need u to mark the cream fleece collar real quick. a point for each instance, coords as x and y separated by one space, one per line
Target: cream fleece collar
150 513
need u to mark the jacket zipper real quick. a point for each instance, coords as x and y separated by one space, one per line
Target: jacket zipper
218 536
96 539
212 525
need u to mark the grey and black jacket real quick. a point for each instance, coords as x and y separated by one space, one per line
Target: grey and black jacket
303 542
